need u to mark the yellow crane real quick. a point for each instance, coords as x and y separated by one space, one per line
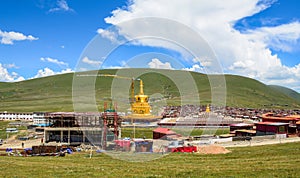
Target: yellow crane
122 77
139 103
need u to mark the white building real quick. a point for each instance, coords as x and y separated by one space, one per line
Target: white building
39 119
16 116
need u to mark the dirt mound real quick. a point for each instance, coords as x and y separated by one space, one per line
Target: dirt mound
212 149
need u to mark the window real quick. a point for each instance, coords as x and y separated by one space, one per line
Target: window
281 129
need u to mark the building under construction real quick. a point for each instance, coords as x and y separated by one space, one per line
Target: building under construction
76 128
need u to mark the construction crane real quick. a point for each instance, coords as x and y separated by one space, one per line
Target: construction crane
140 108
114 76
139 103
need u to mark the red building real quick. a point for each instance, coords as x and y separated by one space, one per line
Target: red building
271 128
162 133
291 120
270 117
298 127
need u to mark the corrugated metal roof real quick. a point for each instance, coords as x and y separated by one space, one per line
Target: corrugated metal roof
272 123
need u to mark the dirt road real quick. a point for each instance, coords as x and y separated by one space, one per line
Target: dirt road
15 143
260 142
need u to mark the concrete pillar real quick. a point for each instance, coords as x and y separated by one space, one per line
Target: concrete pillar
45 136
61 135
83 137
120 133
69 136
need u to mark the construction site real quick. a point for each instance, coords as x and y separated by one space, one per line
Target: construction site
171 131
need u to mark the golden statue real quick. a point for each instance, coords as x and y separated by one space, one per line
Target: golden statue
140 106
207 109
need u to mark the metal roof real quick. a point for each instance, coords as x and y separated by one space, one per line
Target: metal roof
164 130
284 118
240 125
74 114
272 123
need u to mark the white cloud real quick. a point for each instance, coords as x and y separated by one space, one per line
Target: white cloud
10 37
245 53
48 72
54 61
114 67
91 62
281 37
205 62
123 64
65 71
62 5
110 35
199 65
241 65
5 76
44 72
156 63
195 68
10 66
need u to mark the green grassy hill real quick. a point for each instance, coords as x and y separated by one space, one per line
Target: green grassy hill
54 93
289 92
246 92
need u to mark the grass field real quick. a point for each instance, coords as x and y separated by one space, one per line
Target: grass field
5 124
147 132
281 160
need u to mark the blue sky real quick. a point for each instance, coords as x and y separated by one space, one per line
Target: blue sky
62 34
253 38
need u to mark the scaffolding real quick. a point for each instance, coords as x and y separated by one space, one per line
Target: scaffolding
111 122
89 128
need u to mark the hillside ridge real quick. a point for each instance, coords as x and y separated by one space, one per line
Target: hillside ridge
54 93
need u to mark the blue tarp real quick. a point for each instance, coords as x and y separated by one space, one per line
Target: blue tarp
43 125
9 149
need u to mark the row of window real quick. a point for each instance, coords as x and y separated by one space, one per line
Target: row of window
17 114
13 118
